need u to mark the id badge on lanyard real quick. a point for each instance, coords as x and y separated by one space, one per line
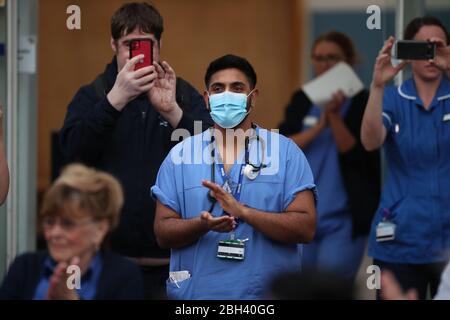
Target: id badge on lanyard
232 249
385 229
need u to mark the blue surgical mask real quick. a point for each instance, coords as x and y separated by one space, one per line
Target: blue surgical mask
228 109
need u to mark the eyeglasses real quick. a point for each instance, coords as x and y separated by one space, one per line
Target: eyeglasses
326 58
65 224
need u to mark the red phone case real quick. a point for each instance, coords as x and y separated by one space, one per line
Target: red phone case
142 46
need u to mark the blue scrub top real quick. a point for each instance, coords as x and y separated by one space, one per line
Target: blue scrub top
416 191
178 186
323 155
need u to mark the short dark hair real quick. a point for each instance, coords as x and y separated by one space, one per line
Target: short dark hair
230 61
136 15
342 41
415 24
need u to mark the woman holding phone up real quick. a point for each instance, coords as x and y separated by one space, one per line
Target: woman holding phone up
410 234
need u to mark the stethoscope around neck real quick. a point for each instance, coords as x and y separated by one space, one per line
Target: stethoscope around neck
251 171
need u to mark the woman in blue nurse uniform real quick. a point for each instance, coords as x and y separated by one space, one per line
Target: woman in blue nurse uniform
231 235
411 230
347 176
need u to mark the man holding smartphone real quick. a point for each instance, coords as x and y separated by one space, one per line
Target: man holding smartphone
122 123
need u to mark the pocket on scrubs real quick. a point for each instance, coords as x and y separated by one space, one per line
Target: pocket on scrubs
201 203
415 220
181 292
263 194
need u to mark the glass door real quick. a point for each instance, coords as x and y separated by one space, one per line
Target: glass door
18 94
3 101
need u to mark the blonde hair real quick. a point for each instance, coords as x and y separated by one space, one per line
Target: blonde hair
84 192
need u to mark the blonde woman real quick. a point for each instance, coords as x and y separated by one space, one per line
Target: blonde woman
78 211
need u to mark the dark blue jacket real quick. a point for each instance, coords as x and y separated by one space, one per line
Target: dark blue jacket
131 145
120 279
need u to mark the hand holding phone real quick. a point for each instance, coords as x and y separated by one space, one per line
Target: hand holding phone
144 47
130 84
384 71
442 58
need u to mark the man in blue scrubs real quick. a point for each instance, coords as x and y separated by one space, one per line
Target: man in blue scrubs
232 216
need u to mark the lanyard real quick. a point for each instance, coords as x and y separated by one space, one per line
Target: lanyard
226 179
235 193
386 214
